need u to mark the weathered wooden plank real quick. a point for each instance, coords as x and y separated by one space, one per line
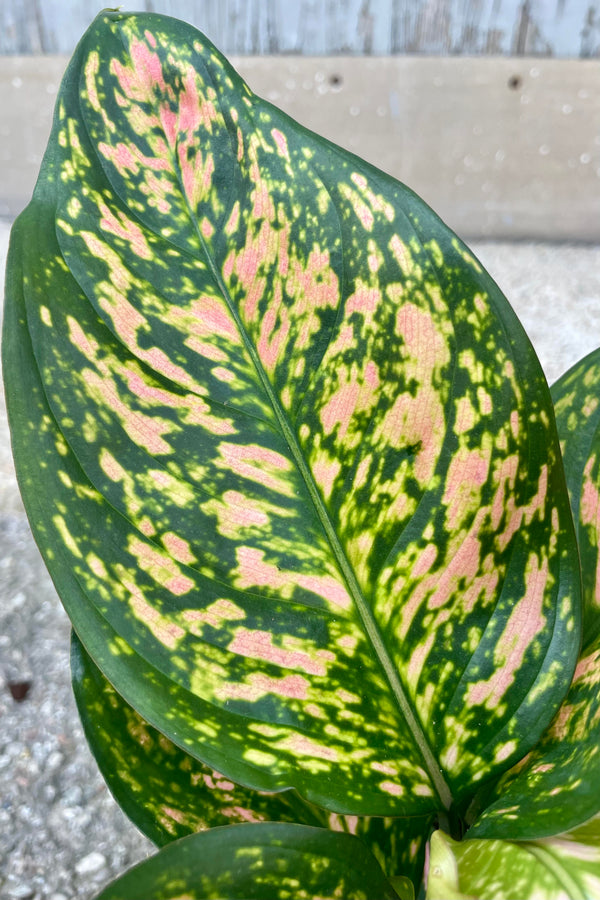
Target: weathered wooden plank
500 148
561 28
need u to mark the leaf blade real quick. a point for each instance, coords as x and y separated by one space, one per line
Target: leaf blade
261 862
567 865
352 699
554 788
168 794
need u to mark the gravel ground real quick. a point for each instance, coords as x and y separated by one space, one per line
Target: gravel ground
61 834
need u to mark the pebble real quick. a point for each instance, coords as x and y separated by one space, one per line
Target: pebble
90 864
21 892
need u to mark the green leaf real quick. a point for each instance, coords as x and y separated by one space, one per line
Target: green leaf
169 794
556 786
566 867
166 792
295 475
258 862
576 397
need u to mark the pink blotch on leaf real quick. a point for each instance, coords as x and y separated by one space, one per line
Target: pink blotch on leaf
126 229
236 512
254 571
273 341
467 473
121 157
303 746
169 123
145 431
385 769
281 143
160 567
525 622
418 659
325 471
514 423
516 514
179 585
147 67
364 300
424 561
463 565
86 345
588 669
206 228
465 416
113 469
259 645
358 394
146 527
283 239
589 513
211 318
190 113
168 633
208 351
216 615
292 687
326 586
256 463
505 477
241 814
390 787
178 548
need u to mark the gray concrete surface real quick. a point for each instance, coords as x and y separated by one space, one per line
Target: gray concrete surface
502 148
61 834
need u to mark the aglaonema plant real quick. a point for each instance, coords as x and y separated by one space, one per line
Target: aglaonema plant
295 471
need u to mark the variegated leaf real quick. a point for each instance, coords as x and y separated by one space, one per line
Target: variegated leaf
556 786
576 399
272 861
169 794
566 867
166 792
296 475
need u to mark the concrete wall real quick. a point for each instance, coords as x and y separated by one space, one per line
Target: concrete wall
472 103
501 148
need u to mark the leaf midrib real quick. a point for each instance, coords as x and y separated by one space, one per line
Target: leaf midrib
545 856
341 558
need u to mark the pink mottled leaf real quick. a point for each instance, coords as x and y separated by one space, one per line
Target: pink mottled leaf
287 452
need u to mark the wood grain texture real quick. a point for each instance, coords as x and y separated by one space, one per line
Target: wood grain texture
560 28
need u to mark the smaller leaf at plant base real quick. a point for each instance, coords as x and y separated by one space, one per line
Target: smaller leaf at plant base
169 794
258 862
555 787
566 867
